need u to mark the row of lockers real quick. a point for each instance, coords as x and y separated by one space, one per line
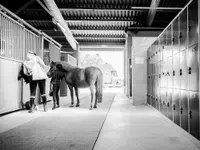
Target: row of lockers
181 34
181 106
173 71
181 71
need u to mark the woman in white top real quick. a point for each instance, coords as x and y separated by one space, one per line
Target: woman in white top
36 69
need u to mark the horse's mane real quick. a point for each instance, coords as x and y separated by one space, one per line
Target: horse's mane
66 66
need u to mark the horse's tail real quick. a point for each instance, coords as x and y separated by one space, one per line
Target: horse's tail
99 88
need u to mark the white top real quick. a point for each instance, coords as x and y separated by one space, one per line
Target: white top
36 68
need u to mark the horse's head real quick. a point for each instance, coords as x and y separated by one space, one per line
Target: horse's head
54 67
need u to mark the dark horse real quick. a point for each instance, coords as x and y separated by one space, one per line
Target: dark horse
79 78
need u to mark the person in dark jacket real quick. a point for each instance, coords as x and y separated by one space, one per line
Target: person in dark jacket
54 89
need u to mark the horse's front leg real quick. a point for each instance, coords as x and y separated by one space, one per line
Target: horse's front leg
78 102
92 96
72 95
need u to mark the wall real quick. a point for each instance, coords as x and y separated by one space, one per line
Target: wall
139 69
10 87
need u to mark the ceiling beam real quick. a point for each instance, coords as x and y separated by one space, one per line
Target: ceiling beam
110 36
152 12
24 6
173 9
59 20
121 19
104 38
165 9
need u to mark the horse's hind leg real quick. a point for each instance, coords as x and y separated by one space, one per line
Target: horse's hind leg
96 97
78 102
92 96
72 95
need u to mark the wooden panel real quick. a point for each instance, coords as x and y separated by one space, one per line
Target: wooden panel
10 87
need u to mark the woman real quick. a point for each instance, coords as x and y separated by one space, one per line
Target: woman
36 69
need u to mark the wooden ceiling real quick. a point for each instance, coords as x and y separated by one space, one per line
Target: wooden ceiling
98 21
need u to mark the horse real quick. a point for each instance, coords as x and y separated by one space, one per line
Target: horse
22 75
76 77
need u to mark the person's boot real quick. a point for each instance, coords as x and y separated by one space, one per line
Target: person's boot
31 105
44 103
54 106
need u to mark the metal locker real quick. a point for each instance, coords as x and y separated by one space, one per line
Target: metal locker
193 68
168 42
162 97
192 23
175 36
184 109
160 48
194 114
176 71
158 100
169 103
164 46
164 73
159 74
163 104
176 106
169 73
183 70
183 30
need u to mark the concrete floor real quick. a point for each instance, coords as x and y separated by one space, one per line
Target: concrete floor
127 127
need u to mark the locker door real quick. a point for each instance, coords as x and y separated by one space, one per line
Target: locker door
183 70
162 73
164 46
165 63
159 74
193 68
176 69
176 106
175 38
165 101
194 114
169 73
162 97
192 23
183 30
157 100
168 42
169 103
184 109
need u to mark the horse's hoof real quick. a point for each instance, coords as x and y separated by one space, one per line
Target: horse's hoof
71 105
90 108
95 107
77 105
53 108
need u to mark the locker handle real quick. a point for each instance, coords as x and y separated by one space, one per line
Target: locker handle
173 72
181 110
190 114
159 75
189 28
168 104
180 35
173 39
181 72
189 70
174 107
